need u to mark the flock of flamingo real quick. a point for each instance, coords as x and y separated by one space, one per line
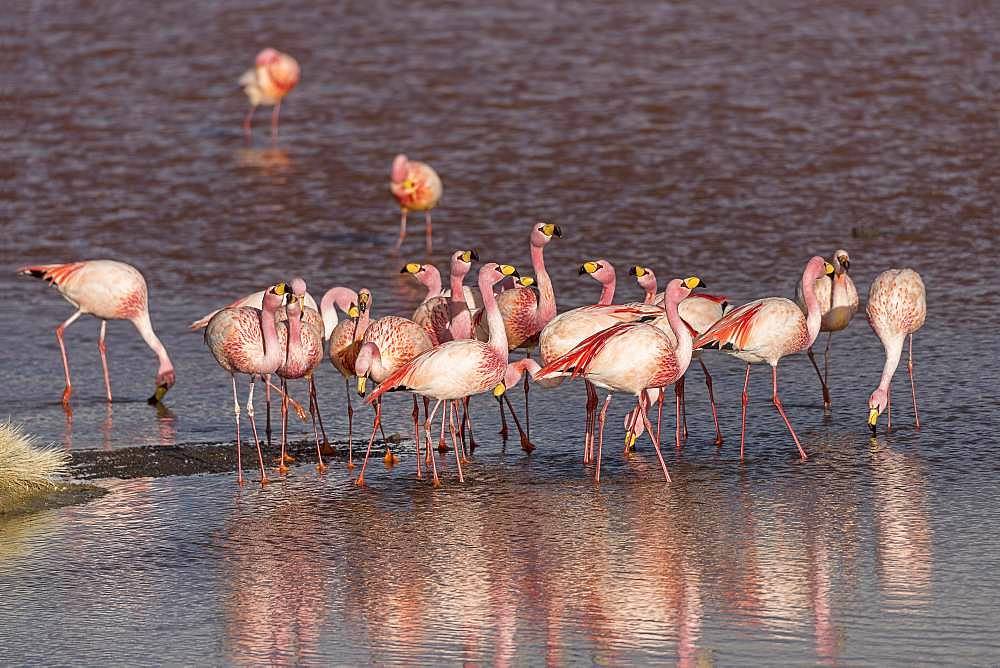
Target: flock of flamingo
458 341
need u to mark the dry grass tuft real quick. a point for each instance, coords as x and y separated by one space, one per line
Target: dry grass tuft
25 466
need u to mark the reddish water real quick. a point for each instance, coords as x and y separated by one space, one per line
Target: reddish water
727 140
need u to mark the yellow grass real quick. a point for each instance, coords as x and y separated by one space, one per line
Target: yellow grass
25 466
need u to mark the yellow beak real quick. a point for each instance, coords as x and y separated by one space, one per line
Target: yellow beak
872 419
361 385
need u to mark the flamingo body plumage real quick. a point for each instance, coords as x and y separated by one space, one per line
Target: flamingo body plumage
416 187
272 77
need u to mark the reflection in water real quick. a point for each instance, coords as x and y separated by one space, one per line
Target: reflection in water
166 425
271 160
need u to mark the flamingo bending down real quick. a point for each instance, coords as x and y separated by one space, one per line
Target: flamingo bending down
108 290
838 302
300 334
389 344
897 307
633 357
417 187
345 342
765 330
458 369
273 76
245 340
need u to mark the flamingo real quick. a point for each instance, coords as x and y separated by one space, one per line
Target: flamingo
632 357
838 301
300 333
457 369
245 340
897 307
526 311
389 343
765 330
273 76
345 341
417 187
254 299
438 310
108 290
646 279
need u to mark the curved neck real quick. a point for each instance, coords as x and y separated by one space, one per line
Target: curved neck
813 315
893 351
335 298
681 334
607 292
650 292
547 296
457 289
498 335
370 362
433 283
145 327
274 355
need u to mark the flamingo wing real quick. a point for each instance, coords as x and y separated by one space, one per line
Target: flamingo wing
577 360
733 329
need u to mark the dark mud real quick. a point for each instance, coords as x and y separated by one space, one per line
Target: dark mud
46 499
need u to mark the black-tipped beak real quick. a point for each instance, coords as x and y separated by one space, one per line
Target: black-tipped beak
582 271
161 391
632 271
558 232
475 254
846 264
874 429
403 270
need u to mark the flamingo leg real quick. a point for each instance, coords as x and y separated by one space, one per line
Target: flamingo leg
588 438
274 122
239 457
416 434
427 432
677 410
656 445
826 392
777 403
467 417
659 412
826 372
888 409
743 420
350 426
679 387
101 346
256 439
402 228
601 418
314 413
267 402
454 439
319 416
526 443
441 444
247 120
282 466
462 424
711 398
360 482
430 242
913 385
427 444
504 432
527 413
62 348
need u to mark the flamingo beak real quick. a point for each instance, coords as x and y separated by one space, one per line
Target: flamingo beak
872 419
828 269
161 391
361 385
694 282
637 271
499 391
845 263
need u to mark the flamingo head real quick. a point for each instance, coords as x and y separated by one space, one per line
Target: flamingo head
644 276
526 281
364 301
298 291
165 379
276 296
542 233
601 270
401 171
680 288
877 403
841 261
363 365
492 273
427 274
815 268
461 261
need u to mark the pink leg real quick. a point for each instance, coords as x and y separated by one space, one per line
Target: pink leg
282 466
427 431
677 411
711 398
239 457
526 443
319 416
256 439
679 387
472 433
454 439
430 242
659 413
743 422
527 412
888 409
104 358
62 347
442 447
360 482
416 434
777 403
274 122
826 371
427 444
314 412
350 426
588 439
600 439
247 120
267 403
913 385
656 445
504 432
402 228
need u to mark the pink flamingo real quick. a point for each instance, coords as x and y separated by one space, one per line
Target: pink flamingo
646 279
417 187
897 307
273 76
255 300
108 290
345 342
389 344
245 340
633 357
838 302
300 334
441 307
765 330
458 369
526 311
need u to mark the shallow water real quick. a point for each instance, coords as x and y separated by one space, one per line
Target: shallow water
730 141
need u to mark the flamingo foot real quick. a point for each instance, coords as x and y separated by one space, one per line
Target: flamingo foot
436 481
327 450
67 393
360 482
321 467
526 444
282 469
718 440
390 458
287 458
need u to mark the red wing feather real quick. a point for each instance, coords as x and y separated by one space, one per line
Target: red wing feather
53 273
579 358
395 379
733 328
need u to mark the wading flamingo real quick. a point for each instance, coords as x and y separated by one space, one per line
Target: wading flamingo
273 76
245 340
417 187
108 290
436 313
458 369
300 333
633 357
345 342
389 344
838 302
897 307
765 330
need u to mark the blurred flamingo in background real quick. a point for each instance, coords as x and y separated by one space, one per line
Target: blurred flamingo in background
838 302
897 307
765 330
417 187
273 76
245 340
108 290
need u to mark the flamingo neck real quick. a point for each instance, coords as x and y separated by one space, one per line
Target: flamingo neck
457 289
681 334
433 283
893 351
547 295
370 363
273 353
607 292
494 321
813 315
335 298
145 327
650 293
